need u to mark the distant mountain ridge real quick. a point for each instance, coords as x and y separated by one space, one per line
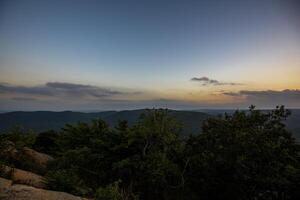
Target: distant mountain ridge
45 120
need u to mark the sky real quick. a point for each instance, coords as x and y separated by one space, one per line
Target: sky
115 55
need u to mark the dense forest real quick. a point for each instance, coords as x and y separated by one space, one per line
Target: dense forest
244 155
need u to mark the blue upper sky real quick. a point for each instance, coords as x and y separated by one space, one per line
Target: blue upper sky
146 53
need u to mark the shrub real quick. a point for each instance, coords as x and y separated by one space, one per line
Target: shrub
114 192
67 181
46 142
110 192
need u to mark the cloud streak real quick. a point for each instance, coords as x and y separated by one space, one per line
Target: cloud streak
72 89
62 95
60 89
268 97
268 94
205 81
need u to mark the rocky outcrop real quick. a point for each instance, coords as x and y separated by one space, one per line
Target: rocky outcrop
24 177
23 192
4 185
38 158
25 185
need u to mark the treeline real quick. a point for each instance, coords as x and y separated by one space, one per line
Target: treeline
247 155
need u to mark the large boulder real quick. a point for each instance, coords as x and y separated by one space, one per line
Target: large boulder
4 185
24 177
23 192
38 158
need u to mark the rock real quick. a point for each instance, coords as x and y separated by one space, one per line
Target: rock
4 185
27 178
38 158
22 192
24 177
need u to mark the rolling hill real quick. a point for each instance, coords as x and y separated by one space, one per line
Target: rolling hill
45 120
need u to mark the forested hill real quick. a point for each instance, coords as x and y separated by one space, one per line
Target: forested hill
45 120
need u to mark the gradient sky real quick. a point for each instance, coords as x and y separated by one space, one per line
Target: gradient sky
102 55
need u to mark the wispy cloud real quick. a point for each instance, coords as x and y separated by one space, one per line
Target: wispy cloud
35 90
205 81
60 89
83 90
23 99
268 97
61 96
270 94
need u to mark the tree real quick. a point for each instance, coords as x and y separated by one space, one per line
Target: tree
249 155
46 142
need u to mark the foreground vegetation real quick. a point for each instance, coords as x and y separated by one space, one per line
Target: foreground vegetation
249 155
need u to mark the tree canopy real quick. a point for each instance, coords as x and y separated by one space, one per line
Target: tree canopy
246 155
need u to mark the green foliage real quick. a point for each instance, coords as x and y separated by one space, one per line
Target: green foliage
144 157
19 136
247 155
3 171
67 181
110 192
113 191
244 156
47 142
11 147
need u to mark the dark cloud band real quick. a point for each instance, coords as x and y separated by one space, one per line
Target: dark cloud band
291 94
60 89
205 81
268 98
